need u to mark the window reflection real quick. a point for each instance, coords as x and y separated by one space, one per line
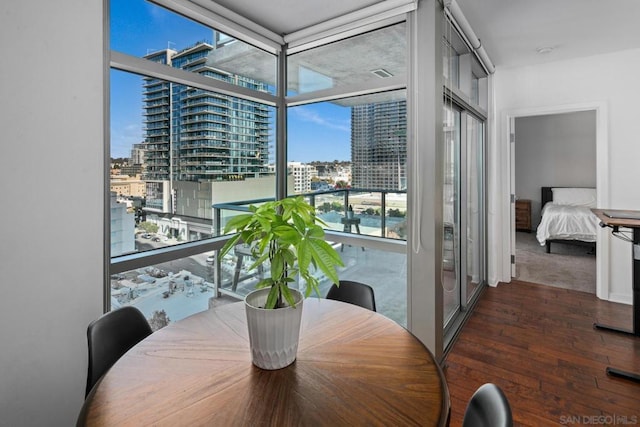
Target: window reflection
450 215
474 208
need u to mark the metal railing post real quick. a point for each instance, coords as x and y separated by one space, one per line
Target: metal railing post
383 213
217 269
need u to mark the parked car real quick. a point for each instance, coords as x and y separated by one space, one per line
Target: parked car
211 259
155 239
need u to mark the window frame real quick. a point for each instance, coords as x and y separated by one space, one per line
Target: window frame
272 43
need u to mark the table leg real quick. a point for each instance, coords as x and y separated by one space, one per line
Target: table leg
358 231
345 229
635 332
615 329
236 274
614 372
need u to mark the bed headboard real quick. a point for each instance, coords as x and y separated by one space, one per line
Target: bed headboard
547 194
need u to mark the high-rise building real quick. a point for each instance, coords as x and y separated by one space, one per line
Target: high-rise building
137 154
192 134
217 137
302 175
122 228
157 121
379 145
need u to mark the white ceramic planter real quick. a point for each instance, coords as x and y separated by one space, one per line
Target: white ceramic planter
273 334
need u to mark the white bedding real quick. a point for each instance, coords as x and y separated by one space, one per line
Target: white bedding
567 222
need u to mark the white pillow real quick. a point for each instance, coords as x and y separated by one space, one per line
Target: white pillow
575 197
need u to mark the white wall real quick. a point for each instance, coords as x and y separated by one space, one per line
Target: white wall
610 80
51 253
554 150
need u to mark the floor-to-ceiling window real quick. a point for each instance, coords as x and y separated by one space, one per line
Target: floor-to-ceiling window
347 131
194 116
192 121
207 106
451 213
354 150
464 236
475 207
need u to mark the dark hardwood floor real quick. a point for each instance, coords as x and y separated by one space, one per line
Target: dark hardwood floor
538 344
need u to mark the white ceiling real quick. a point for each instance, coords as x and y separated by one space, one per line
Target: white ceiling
510 30
288 16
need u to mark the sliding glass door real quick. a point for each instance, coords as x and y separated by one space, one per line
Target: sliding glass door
466 105
474 205
451 214
464 254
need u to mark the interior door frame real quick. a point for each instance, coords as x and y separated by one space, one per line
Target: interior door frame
602 189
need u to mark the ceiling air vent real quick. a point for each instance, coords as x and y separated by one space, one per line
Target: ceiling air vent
382 73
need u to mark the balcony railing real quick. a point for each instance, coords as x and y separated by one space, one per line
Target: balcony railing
381 213
191 275
380 265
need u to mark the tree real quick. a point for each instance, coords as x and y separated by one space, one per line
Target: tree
159 320
396 213
325 207
336 206
148 227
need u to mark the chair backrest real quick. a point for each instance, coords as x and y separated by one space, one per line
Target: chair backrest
111 336
488 407
354 293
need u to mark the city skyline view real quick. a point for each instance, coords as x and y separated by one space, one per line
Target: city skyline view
199 154
194 143
316 132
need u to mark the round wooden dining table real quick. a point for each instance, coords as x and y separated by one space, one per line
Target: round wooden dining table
353 367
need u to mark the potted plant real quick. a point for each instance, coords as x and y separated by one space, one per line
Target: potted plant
289 235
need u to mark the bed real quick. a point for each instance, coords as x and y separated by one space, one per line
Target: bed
567 217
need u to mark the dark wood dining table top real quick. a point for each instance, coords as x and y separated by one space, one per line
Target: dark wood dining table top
353 367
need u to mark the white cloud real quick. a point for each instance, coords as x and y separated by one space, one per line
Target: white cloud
308 115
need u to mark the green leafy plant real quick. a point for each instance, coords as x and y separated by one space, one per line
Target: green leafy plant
148 227
288 233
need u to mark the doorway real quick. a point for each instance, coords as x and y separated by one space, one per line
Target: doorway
553 156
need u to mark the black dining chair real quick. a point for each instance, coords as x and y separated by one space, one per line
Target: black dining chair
354 293
111 336
488 407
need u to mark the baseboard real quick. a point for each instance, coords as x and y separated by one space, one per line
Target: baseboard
621 298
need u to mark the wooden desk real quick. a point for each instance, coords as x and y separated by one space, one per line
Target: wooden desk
354 367
633 224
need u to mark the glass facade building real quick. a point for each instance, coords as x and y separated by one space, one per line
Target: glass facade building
379 145
192 134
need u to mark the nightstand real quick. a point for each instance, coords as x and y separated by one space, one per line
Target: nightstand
523 215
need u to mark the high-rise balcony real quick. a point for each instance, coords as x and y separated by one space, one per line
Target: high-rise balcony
192 284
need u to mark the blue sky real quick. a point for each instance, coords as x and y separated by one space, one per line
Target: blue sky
316 132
